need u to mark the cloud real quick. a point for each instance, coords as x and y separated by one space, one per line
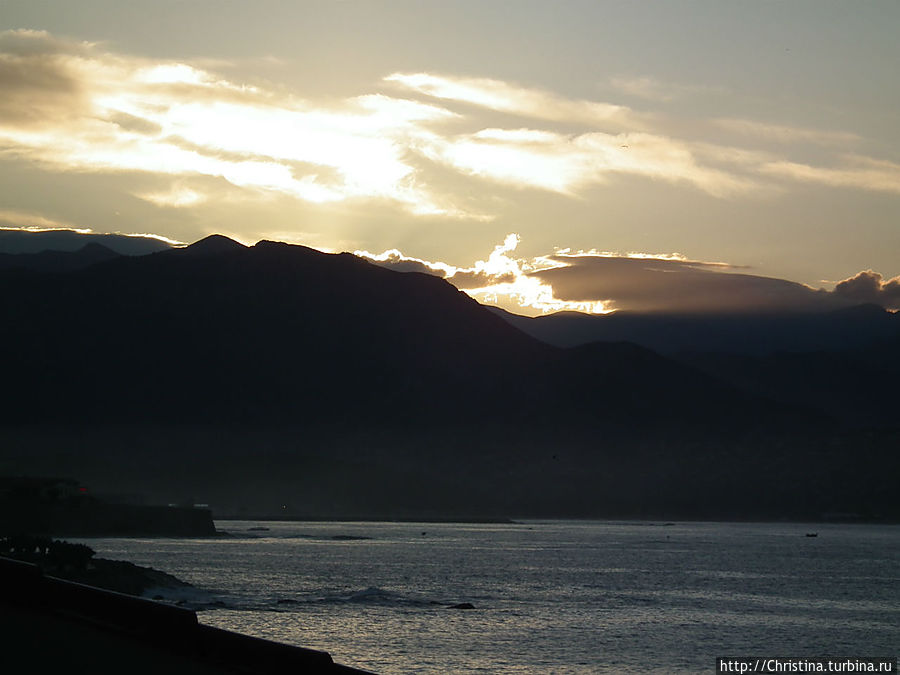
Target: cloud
177 196
110 113
73 107
12 219
786 134
38 79
397 261
660 283
644 87
136 124
505 281
859 172
651 89
644 284
68 106
599 282
870 287
517 100
528 158
673 284
500 280
560 162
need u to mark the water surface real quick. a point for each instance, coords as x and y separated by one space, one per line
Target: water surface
561 596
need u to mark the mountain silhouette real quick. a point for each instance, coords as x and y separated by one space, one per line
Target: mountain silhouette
280 333
838 361
856 385
751 333
214 244
57 261
27 241
279 379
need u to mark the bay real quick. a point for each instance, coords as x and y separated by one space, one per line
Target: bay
546 596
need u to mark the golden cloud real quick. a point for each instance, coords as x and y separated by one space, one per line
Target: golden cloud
859 172
523 101
71 106
662 283
786 134
870 287
501 280
565 163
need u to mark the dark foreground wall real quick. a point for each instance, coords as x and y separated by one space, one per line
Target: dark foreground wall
54 626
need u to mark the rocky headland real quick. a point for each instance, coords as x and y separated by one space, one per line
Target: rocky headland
76 562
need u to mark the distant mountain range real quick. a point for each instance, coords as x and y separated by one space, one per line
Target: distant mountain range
750 333
25 241
276 378
840 361
57 261
285 334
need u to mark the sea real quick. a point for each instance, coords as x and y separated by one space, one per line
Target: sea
541 596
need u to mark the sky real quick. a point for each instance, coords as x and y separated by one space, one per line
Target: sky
542 156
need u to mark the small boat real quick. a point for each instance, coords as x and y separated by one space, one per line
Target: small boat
257 529
812 534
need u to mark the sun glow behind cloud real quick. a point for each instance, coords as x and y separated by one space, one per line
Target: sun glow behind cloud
124 114
176 197
32 222
602 282
50 226
501 280
517 100
181 147
71 106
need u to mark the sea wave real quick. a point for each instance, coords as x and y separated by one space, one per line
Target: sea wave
204 600
189 597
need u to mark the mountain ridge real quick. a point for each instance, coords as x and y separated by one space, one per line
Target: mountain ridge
773 355
414 336
50 261
278 376
16 241
755 333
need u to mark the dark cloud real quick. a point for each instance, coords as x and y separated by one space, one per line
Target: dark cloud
44 79
36 81
653 285
870 287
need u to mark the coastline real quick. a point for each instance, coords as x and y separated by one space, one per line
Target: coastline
836 519
54 623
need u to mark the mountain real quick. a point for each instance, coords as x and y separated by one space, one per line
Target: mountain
27 241
856 385
737 333
214 244
279 379
841 362
285 334
57 261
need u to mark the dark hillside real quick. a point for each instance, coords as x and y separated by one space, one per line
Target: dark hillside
276 379
285 334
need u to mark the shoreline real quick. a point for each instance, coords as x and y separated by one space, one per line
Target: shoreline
649 520
108 629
